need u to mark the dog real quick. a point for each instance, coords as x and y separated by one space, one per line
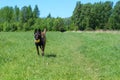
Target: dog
40 40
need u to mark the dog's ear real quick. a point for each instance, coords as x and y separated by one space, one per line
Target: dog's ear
35 31
39 30
44 30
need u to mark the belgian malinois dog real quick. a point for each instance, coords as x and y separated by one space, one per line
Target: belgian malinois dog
40 40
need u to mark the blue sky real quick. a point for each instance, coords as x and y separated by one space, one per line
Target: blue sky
61 8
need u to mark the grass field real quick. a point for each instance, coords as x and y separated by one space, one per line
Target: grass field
68 56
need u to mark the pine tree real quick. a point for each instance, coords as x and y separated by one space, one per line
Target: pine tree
77 17
36 12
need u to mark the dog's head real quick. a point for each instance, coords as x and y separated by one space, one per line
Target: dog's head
37 35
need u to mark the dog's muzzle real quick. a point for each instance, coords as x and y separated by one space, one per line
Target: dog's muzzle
37 41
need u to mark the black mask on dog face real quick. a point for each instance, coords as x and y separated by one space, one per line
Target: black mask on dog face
37 34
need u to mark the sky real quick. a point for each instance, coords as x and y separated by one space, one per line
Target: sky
57 8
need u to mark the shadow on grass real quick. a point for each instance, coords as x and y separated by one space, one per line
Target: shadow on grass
50 55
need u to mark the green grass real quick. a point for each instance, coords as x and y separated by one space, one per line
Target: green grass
68 56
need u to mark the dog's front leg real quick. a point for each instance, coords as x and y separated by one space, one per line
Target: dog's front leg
37 50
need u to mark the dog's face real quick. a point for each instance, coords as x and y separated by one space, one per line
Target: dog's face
37 34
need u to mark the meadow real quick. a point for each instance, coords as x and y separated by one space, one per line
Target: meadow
68 56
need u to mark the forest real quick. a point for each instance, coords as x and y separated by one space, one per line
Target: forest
97 16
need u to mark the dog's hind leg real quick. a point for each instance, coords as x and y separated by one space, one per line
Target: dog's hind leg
42 48
37 50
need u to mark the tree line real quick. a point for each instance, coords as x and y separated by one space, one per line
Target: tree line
100 15
15 19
